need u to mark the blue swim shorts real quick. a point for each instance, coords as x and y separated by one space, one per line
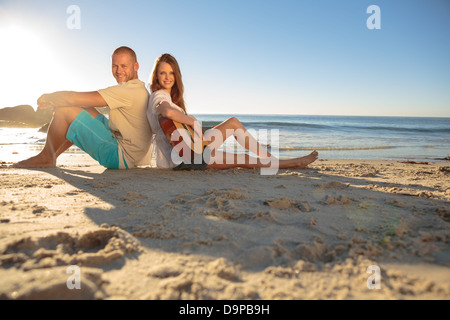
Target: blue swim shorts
93 136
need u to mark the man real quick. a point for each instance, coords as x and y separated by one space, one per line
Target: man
122 142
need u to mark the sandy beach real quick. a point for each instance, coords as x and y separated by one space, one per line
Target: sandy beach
340 229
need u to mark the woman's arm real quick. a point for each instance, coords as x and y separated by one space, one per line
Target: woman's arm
167 111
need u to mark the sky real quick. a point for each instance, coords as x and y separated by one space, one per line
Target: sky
304 57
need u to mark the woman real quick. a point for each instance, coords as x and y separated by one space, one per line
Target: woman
167 101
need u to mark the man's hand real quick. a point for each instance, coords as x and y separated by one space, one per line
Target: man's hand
44 102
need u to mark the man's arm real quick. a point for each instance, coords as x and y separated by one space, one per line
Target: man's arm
71 99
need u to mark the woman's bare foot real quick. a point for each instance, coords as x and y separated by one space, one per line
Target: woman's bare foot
303 162
298 163
38 161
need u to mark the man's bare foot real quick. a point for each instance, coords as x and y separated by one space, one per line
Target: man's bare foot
303 162
35 162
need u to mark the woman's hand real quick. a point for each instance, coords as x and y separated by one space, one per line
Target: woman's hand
191 120
195 124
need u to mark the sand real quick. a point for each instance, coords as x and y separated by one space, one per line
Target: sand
340 229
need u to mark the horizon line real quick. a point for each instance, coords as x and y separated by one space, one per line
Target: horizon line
291 114
315 115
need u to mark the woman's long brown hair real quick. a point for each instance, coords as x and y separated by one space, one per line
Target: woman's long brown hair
177 92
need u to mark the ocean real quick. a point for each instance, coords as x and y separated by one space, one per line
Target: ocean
334 137
352 137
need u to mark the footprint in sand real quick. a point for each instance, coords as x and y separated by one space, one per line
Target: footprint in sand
93 248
